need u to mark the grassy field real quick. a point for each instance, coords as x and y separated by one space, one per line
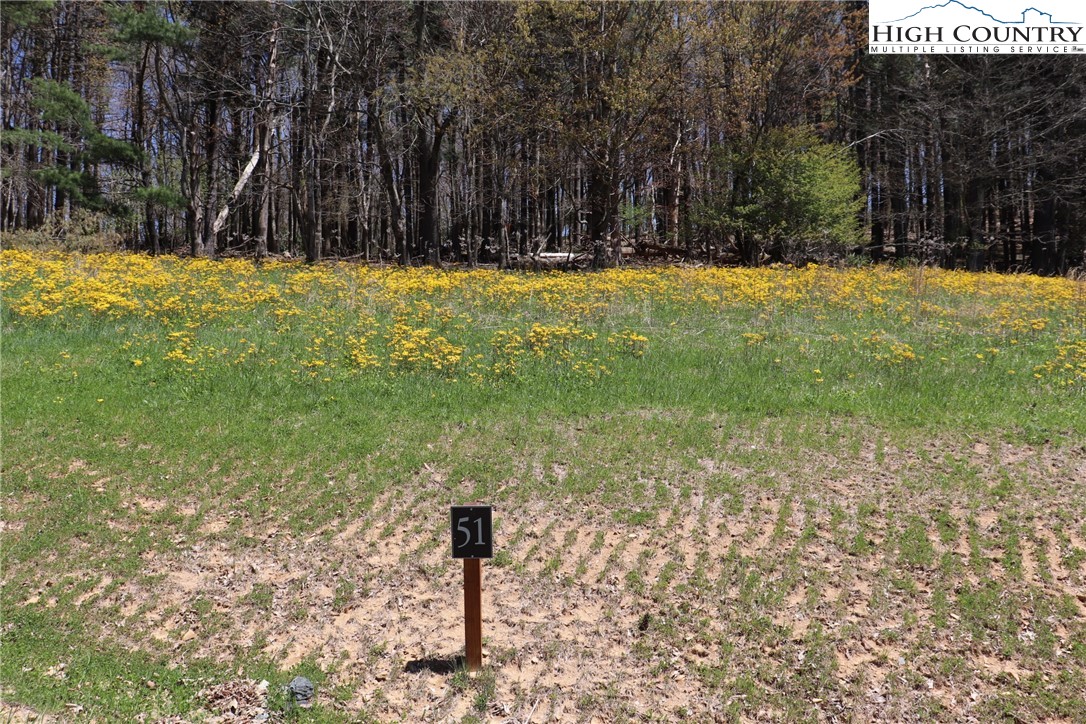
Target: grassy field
720 494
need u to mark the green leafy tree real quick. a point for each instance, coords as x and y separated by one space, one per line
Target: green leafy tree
86 146
792 197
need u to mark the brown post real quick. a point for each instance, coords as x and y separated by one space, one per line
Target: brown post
473 613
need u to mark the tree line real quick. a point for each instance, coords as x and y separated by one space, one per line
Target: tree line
515 133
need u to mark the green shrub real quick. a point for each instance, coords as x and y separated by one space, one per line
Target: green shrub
786 196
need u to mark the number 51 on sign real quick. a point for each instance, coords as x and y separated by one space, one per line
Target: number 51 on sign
472 539
472 531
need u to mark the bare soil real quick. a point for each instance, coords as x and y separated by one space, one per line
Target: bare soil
800 598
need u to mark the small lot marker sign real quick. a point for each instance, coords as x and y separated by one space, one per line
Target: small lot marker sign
473 540
472 531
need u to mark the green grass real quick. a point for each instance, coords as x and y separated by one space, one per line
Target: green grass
737 492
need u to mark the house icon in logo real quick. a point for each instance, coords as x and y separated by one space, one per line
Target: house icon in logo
955 11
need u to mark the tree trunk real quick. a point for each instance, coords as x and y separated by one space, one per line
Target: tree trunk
264 132
311 231
247 172
600 215
207 239
264 187
429 165
392 191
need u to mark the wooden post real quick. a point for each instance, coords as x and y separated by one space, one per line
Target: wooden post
473 613
472 539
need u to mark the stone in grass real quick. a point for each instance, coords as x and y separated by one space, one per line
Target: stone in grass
301 692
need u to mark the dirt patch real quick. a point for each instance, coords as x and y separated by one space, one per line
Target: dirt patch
149 505
843 587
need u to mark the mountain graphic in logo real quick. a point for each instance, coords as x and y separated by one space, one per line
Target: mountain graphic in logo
954 11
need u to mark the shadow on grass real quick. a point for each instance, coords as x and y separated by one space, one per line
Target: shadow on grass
441 665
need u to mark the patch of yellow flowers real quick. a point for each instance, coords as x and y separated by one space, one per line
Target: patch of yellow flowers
412 349
190 315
